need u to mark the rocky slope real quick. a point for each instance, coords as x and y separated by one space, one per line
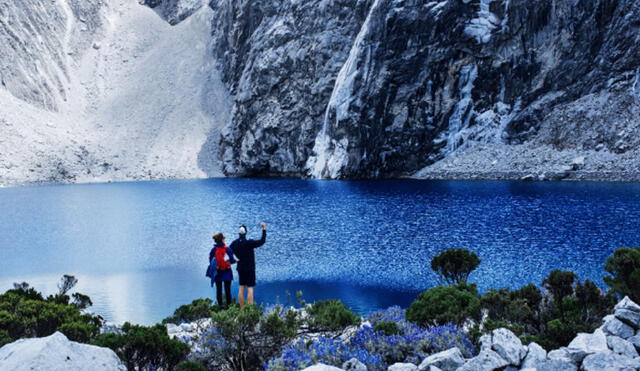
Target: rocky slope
613 346
106 90
110 89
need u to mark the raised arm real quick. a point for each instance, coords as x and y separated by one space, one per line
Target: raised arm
257 243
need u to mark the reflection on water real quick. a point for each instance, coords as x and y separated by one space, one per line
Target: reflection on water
140 248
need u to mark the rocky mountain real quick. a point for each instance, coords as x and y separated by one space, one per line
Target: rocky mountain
424 81
126 89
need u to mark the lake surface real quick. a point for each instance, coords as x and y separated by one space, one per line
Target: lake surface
140 249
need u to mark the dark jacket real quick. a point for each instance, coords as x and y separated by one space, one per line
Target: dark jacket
225 275
243 249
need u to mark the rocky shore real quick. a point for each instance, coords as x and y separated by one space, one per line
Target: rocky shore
614 346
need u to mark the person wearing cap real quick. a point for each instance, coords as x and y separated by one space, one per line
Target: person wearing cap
243 249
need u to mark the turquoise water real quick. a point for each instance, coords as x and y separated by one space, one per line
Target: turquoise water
139 249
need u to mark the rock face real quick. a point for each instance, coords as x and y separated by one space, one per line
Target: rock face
508 346
448 360
57 353
402 84
608 361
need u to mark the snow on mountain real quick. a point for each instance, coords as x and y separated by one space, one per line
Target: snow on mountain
106 90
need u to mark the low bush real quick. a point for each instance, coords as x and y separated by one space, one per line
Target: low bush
445 304
24 313
246 338
197 309
142 347
330 315
375 349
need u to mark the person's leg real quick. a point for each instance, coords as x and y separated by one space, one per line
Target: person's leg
241 296
219 292
227 291
250 295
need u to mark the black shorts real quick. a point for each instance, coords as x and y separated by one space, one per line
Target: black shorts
247 278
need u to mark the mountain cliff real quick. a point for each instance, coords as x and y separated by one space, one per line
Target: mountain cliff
125 89
420 82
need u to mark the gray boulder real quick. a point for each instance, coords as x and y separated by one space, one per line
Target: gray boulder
627 304
573 355
635 340
535 355
485 342
590 343
615 327
508 346
354 365
622 346
448 360
402 367
556 365
487 360
629 317
608 361
57 353
322 367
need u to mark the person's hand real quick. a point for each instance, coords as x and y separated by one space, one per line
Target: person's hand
264 226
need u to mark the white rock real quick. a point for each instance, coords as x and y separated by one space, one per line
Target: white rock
628 304
605 361
635 340
629 317
354 365
535 354
556 365
57 353
615 327
622 346
485 342
487 360
322 367
507 345
590 343
448 360
186 327
402 367
172 329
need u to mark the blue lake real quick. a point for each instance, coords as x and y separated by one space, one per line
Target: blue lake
139 249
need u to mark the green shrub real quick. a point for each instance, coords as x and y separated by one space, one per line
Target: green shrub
24 313
246 338
198 309
330 315
560 284
455 265
80 332
142 347
387 327
445 304
624 268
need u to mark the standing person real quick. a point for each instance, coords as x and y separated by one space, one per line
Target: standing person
224 258
243 249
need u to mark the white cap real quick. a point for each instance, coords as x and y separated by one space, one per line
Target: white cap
243 230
